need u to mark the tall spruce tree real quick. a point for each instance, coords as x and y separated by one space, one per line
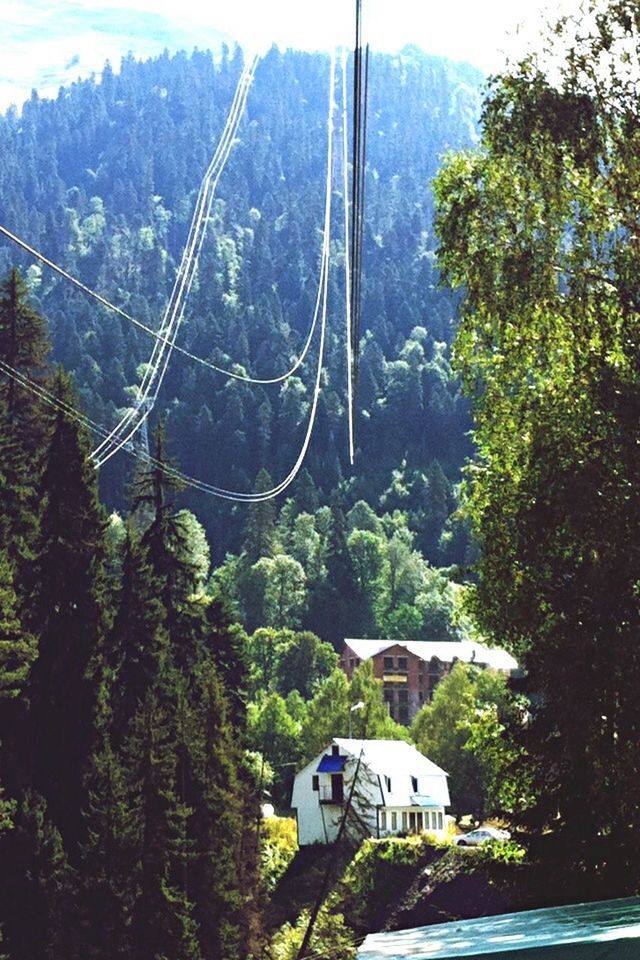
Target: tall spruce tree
68 612
24 348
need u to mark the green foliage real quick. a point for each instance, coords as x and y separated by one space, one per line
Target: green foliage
278 846
328 713
538 226
18 648
373 879
467 730
332 938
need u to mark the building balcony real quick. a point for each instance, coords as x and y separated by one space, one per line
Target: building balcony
333 797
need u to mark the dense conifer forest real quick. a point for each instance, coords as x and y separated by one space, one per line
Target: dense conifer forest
103 180
168 659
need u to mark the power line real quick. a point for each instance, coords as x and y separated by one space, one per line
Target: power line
327 228
360 116
193 482
347 265
161 354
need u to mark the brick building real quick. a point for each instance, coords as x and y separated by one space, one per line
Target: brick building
411 669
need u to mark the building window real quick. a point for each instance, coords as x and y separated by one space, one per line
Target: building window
394 821
388 663
419 821
403 696
403 714
383 819
335 751
403 663
387 780
388 694
420 696
414 784
440 820
351 662
420 679
404 821
315 782
434 820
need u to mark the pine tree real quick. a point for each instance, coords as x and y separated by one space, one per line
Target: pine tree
68 612
104 887
18 648
35 886
162 922
137 647
216 877
260 528
24 348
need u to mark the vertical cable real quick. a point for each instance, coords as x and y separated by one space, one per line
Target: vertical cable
347 260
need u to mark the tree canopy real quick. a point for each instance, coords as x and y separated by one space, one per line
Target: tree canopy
540 228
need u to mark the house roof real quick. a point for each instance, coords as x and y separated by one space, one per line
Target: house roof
402 764
443 650
574 930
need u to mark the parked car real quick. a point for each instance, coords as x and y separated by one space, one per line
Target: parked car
482 835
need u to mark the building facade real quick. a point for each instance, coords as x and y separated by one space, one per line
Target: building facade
410 670
397 791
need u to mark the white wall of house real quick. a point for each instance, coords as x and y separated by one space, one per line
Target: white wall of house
318 818
382 804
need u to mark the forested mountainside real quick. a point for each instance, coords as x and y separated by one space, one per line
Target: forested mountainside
103 180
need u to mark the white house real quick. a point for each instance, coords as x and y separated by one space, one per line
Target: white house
397 790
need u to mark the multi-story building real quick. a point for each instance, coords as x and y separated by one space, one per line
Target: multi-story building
411 669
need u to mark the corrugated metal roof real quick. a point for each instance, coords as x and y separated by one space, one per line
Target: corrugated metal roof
444 650
587 931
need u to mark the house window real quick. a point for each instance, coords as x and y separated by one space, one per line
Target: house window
351 662
383 819
335 751
387 780
388 663
315 782
403 696
434 820
414 784
403 663
405 824
394 821
403 714
440 820
388 694
419 821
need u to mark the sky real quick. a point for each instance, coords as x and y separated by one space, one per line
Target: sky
47 43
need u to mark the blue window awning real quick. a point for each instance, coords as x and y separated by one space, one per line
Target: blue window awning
331 764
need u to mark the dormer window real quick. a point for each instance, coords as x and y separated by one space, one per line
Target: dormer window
414 784
335 751
387 780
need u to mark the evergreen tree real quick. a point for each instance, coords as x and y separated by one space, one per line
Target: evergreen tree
260 527
137 649
68 612
24 348
18 648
